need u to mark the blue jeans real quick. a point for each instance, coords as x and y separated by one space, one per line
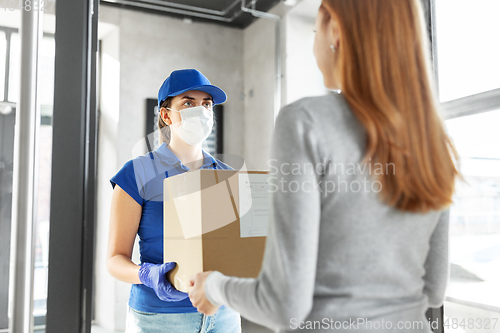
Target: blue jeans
224 320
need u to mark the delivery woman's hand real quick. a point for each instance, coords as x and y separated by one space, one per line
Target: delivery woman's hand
197 294
155 276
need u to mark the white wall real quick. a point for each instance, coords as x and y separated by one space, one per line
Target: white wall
110 294
303 75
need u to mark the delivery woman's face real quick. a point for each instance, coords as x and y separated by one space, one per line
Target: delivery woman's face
188 99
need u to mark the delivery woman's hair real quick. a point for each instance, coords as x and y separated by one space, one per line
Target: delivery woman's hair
384 70
164 129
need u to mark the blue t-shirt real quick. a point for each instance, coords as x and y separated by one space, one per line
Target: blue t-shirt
142 178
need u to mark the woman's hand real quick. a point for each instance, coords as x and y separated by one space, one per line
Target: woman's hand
197 294
155 276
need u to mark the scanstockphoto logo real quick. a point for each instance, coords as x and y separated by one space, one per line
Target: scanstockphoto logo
152 165
245 195
160 176
327 177
364 324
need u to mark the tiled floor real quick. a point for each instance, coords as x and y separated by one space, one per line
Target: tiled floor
246 327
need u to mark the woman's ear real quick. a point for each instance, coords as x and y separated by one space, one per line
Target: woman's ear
164 115
334 31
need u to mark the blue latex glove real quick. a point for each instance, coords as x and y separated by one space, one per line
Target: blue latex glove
155 276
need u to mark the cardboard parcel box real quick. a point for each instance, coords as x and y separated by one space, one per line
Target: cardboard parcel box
215 220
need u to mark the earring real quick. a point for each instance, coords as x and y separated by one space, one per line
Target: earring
333 48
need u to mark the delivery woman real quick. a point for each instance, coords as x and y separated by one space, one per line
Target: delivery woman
185 102
353 245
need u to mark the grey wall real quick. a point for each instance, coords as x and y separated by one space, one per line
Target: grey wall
110 294
259 73
300 74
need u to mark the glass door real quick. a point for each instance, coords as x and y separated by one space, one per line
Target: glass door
10 72
32 125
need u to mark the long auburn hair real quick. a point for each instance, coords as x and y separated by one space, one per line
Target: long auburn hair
384 70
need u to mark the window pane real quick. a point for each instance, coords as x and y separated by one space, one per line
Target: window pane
46 96
14 68
42 223
468 47
46 55
3 52
475 221
7 125
46 67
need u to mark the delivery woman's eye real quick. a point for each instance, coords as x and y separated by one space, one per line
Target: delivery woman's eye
208 105
188 103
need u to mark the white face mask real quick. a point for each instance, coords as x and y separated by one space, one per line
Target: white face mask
196 124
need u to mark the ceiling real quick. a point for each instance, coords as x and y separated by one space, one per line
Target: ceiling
307 9
226 12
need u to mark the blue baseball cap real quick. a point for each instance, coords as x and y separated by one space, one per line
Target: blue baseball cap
183 80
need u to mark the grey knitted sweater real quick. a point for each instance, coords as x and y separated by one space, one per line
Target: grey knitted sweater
336 257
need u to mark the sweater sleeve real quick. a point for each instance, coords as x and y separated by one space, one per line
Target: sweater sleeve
285 286
437 262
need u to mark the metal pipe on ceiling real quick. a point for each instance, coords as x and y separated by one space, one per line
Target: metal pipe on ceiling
257 13
188 7
176 11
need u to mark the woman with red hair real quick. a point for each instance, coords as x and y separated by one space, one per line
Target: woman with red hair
363 243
